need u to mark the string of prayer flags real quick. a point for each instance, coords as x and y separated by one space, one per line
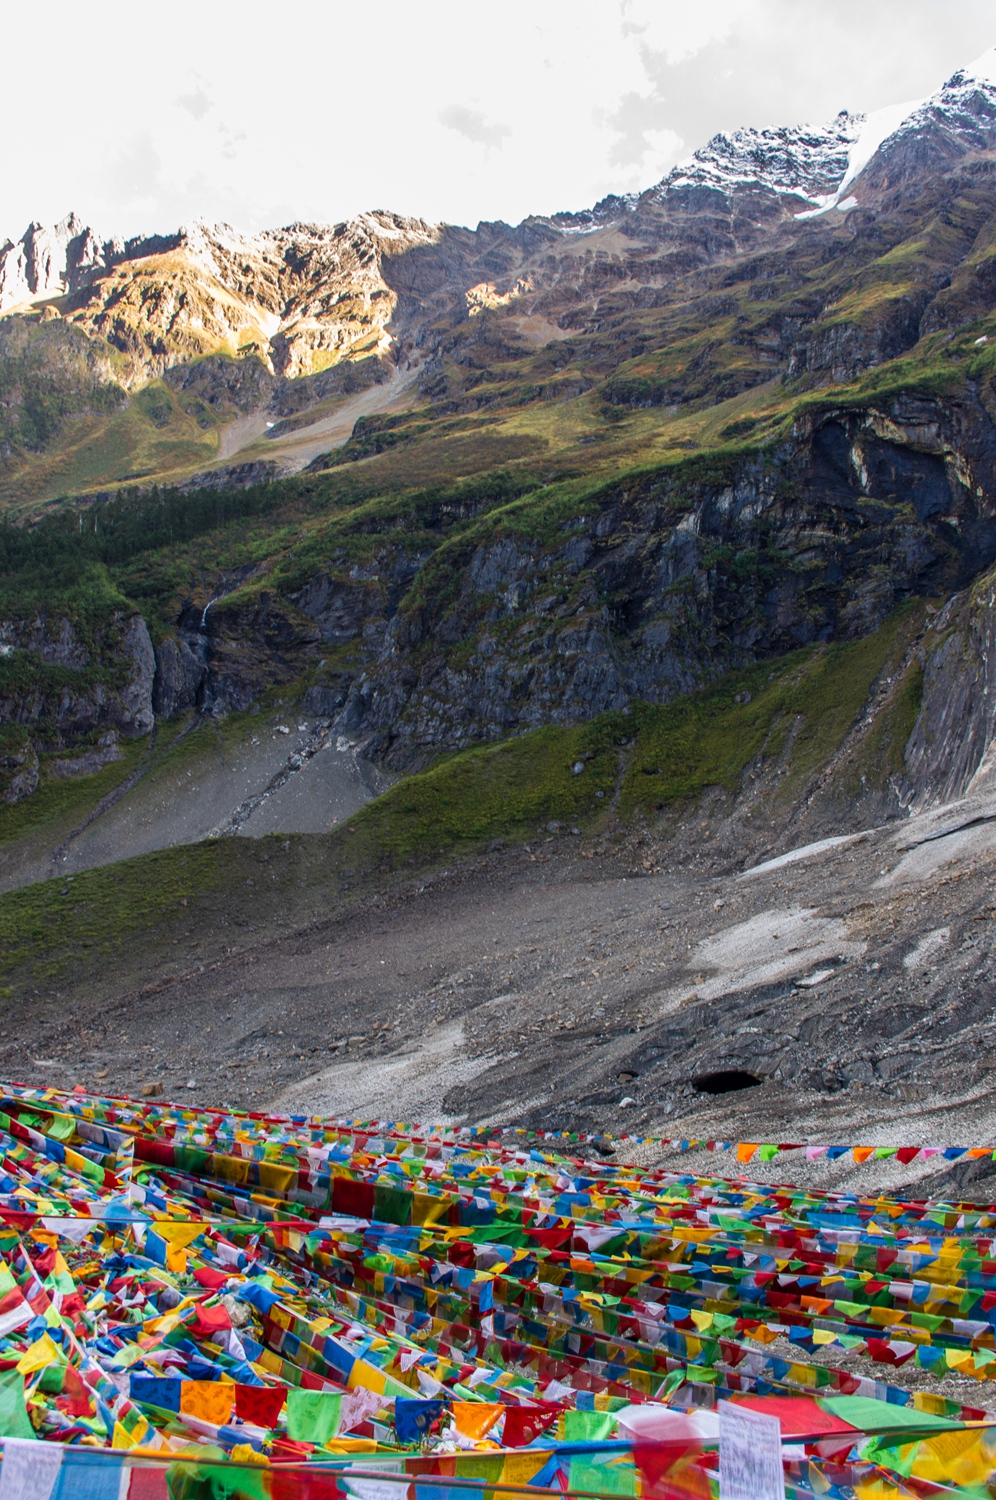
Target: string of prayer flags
273 1306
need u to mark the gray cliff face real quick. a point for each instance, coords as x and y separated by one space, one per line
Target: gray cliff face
51 640
952 744
20 773
662 585
839 352
136 695
180 671
69 687
647 589
249 645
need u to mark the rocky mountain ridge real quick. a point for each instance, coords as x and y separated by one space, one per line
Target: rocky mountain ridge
306 296
298 298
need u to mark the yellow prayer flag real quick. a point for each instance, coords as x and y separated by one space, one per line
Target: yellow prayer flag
179 1233
959 1458
245 1453
367 1376
519 1468
41 1353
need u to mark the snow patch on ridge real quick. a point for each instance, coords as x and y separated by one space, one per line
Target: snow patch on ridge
819 163
983 70
964 106
875 129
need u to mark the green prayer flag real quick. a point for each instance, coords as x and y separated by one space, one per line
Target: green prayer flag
600 1478
392 1205
891 1455
870 1415
587 1426
313 1416
201 1481
14 1421
51 1379
670 1385
478 1466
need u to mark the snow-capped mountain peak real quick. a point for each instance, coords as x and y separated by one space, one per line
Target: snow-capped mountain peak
799 161
818 164
959 118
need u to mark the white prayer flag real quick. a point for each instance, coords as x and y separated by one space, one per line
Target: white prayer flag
750 1454
30 1469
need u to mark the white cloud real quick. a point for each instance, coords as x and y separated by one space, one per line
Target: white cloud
473 126
679 31
196 102
444 109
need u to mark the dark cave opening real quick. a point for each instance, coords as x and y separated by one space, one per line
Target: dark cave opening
724 1081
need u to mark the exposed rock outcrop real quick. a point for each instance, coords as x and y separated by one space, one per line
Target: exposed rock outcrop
20 771
953 745
251 643
136 694
180 671
665 581
91 761
50 676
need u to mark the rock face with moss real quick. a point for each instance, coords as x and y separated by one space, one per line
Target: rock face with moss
62 686
668 580
551 610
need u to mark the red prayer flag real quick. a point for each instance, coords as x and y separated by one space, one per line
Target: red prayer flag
209 1320
800 1416
260 1404
147 1483
209 1277
289 1451
552 1239
76 1400
355 1198
524 1423
672 1471
310 1484
18 1220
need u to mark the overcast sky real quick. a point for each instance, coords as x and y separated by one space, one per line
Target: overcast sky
141 117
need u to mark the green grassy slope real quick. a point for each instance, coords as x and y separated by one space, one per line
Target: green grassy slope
118 923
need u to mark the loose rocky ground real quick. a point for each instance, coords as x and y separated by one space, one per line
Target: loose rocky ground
601 987
275 771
